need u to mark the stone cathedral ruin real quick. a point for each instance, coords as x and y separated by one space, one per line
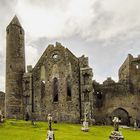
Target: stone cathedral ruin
61 84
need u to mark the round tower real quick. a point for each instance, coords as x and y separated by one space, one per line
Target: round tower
15 68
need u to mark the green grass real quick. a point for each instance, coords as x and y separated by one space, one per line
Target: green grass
21 130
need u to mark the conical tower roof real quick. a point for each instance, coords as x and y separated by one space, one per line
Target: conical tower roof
15 21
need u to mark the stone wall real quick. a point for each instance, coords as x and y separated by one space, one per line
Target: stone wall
121 98
124 71
2 102
114 97
56 85
130 72
28 93
61 84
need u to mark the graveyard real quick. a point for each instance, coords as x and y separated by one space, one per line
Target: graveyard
21 130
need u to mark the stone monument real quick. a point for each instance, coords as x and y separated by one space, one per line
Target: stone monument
116 134
50 135
135 125
85 127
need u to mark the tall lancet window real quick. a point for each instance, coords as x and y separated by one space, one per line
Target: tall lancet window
85 78
42 89
55 90
69 89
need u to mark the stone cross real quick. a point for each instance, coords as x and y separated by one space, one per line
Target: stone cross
116 122
116 134
50 121
85 117
135 124
50 135
85 123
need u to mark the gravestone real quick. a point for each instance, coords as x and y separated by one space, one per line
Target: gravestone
50 134
116 134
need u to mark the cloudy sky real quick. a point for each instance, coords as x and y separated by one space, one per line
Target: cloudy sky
104 30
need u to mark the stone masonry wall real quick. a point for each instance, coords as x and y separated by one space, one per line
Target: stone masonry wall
110 97
2 102
59 64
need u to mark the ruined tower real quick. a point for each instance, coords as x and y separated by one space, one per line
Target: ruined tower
15 68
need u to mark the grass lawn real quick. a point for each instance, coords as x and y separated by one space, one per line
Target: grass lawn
21 130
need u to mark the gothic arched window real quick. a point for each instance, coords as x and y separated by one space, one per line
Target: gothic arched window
85 78
26 85
42 89
55 90
68 89
99 99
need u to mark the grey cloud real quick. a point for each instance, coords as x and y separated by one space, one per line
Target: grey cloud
107 43
7 9
101 36
108 24
62 4
39 43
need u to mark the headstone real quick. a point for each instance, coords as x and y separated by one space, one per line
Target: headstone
116 122
116 134
85 126
50 134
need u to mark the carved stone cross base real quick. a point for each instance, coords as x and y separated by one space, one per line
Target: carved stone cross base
85 127
50 135
116 135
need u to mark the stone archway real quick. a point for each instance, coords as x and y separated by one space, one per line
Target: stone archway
122 114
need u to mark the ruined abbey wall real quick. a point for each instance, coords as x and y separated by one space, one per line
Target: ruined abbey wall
121 98
56 85
62 84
